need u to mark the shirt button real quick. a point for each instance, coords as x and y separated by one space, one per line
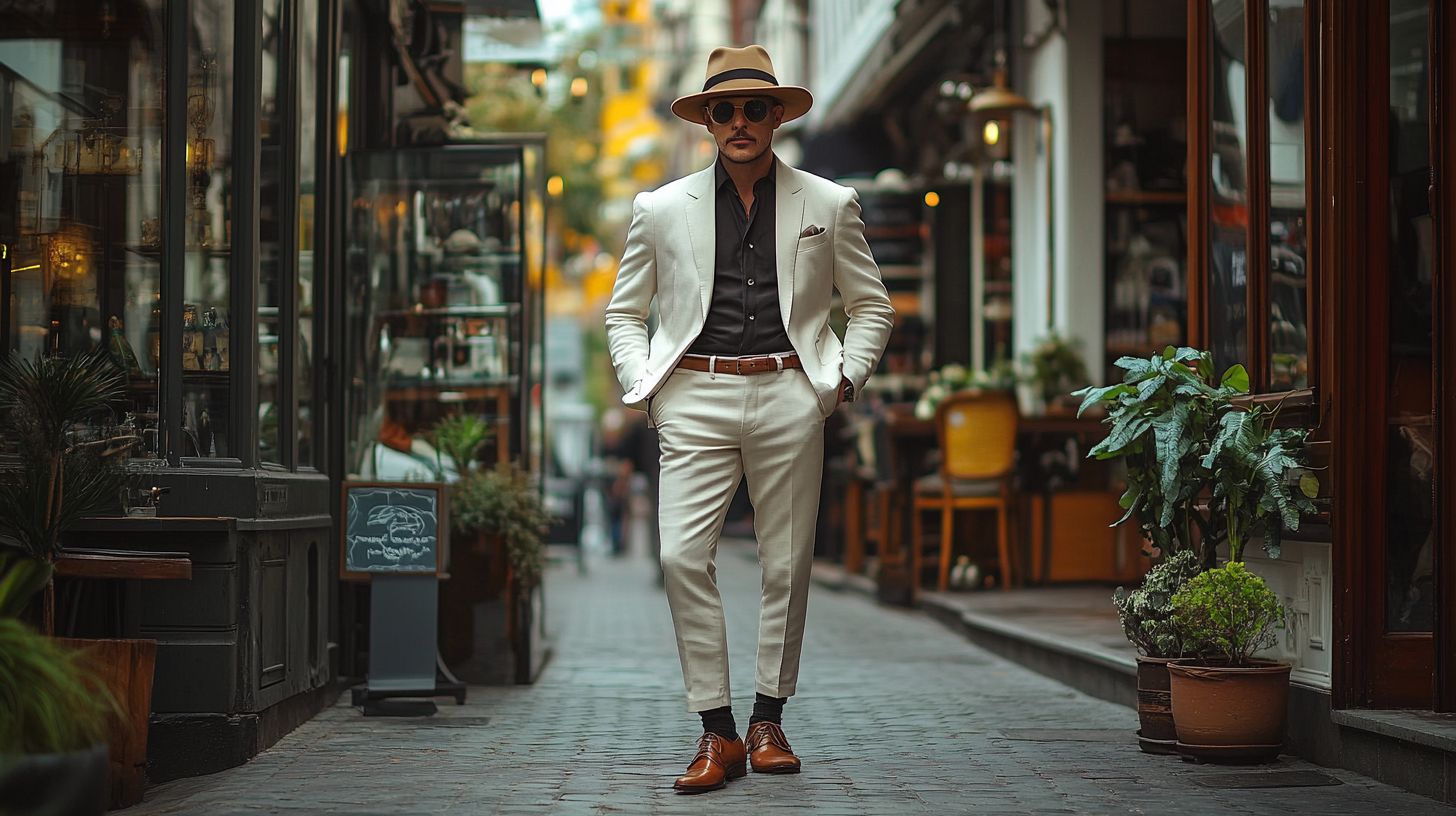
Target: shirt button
750 246
750 281
750 317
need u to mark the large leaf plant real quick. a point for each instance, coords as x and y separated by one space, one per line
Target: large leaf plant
1251 461
1164 416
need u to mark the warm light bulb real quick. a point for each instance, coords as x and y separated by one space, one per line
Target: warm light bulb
992 132
555 185
578 86
538 77
932 199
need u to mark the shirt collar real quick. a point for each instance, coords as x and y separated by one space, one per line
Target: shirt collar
720 173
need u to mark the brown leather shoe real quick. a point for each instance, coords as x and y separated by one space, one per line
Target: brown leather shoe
718 761
769 751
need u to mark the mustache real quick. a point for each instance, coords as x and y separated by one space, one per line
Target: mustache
738 134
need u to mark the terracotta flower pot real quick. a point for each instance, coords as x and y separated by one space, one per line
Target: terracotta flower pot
1156 733
1227 708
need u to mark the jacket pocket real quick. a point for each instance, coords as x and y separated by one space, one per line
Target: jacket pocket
813 242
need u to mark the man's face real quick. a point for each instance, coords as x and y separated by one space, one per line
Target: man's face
741 140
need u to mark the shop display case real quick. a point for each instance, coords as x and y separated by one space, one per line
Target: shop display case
443 304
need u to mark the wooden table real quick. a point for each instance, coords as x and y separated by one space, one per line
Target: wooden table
912 441
123 565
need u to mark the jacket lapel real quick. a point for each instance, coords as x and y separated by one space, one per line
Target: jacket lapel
789 208
701 232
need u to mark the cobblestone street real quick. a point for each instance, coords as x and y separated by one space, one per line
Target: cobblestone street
896 715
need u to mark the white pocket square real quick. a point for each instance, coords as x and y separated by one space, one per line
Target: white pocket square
811 231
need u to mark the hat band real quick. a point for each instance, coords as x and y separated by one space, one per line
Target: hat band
739 73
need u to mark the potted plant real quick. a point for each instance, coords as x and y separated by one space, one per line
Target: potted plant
498 517
1054 368
53 751
1146 614
459 437
69 468
1163 418
1230 705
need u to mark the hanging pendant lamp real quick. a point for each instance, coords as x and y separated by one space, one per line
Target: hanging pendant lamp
998 98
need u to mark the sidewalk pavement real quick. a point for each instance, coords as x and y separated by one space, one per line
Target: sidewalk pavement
896 715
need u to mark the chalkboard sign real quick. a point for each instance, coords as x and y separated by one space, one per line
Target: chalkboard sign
394 527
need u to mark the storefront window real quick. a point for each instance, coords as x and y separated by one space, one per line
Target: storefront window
1410 458
1228 209
438 311
81 113
1288 234
308 17
269 212
206 315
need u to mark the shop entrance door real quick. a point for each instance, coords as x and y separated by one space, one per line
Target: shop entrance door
1395 506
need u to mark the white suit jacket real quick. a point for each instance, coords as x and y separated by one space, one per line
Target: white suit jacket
670 255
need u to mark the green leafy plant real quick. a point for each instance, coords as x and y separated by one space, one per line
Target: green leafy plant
1230 610
1163 417
1055 367
53 701
1147 612
460 437
1250 460
68 470
503 502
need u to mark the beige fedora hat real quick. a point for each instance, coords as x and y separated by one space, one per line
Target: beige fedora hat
743 72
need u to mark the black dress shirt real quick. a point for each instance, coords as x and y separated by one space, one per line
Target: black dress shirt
743 313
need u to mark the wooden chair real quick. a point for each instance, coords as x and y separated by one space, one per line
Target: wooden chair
977 433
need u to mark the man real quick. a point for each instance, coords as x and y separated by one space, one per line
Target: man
742 259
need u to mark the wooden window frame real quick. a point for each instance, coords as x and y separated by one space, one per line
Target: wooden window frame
1256 87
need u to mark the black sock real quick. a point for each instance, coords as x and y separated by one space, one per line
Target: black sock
768 709
720 721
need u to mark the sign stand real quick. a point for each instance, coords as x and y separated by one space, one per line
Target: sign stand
394 535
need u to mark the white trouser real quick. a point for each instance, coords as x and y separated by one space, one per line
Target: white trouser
714 429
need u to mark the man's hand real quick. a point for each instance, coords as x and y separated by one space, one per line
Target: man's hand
845 386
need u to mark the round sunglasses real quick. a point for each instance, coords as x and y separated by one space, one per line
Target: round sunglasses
754 110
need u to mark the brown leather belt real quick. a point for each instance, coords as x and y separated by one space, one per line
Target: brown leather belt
741 365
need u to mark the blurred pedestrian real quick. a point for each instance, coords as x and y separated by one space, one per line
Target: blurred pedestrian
742 258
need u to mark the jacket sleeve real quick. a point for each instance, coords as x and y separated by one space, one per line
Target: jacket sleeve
632 294
866 302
